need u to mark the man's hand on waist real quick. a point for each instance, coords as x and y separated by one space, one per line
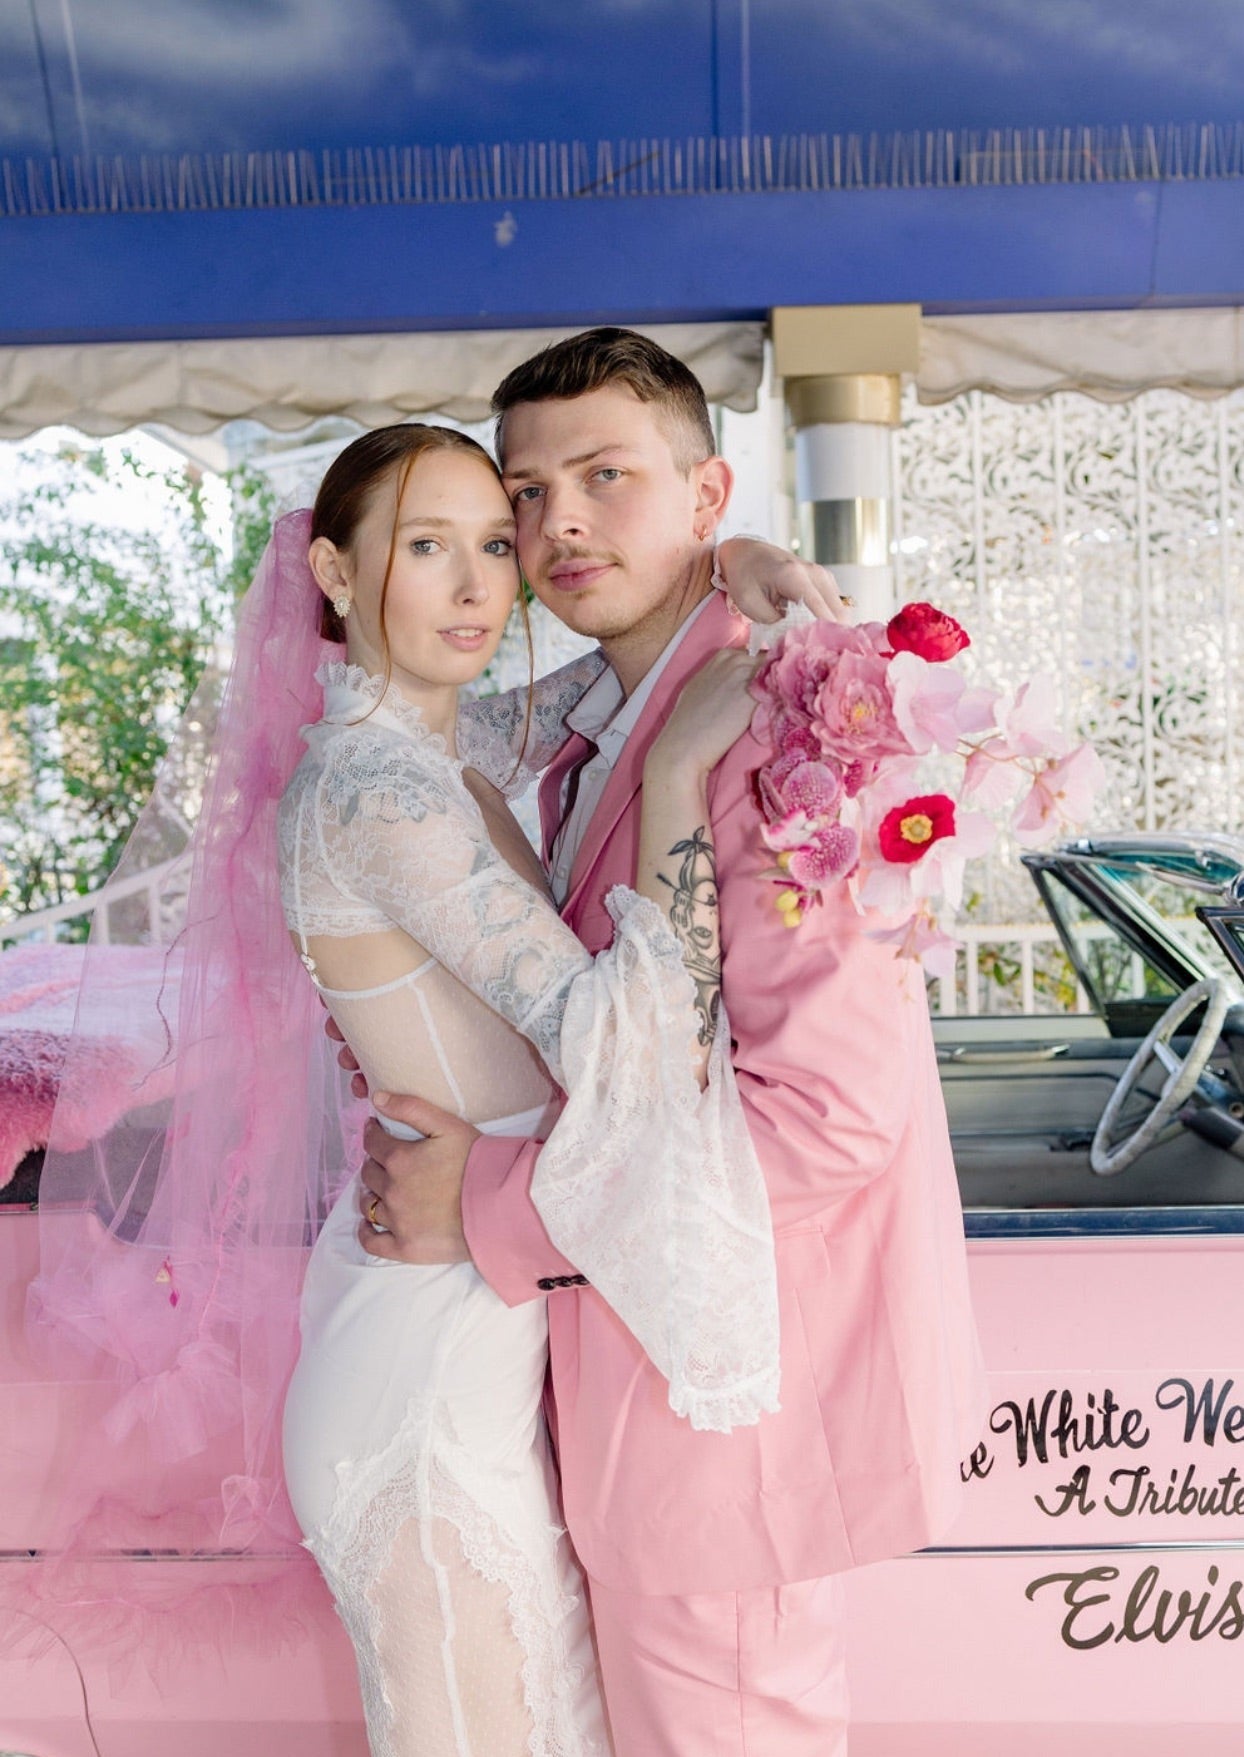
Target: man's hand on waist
413 1189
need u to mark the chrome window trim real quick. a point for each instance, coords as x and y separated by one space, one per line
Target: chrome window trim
1224 1220
1149 1546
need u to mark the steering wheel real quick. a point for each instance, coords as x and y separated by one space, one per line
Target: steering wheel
1181 1075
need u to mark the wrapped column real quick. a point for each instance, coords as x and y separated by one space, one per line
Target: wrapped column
842 367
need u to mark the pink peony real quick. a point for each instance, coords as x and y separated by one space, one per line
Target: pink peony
803 673
792 676
926 631
855 714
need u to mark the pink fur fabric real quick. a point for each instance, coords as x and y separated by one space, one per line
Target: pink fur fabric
38 1001
31 1067
42 977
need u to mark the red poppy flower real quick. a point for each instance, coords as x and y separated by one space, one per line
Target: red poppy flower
927 631
908 832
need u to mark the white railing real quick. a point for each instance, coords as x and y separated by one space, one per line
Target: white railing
1023 937
43 924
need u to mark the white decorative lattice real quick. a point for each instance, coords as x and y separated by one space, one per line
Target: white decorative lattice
1102 542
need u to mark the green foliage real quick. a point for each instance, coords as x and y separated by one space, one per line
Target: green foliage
107 629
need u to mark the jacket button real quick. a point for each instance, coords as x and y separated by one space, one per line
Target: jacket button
546 1284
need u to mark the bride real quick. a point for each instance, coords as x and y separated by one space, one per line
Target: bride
415 1454
353 847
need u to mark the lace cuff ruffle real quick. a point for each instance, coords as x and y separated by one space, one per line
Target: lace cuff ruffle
485 745
652 1188
494 731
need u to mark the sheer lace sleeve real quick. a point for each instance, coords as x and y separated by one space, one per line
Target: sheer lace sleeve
653 1188
491 727
401 835
649 1185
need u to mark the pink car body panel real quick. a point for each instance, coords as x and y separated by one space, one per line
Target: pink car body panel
1120 1359
1116 1370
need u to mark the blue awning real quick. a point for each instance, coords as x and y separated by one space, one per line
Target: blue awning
200 169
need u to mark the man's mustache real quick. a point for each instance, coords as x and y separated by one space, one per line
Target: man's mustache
573 552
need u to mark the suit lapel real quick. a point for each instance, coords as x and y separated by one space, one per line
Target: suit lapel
714 629
552 781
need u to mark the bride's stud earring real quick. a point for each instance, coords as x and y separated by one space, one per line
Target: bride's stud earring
341 605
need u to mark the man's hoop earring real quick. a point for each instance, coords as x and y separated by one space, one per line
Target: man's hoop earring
341 605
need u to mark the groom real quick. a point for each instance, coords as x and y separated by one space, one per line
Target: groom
713 1559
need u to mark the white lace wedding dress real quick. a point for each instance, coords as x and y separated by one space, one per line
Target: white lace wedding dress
416 1456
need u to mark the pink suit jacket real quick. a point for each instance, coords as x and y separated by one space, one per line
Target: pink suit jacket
882 1390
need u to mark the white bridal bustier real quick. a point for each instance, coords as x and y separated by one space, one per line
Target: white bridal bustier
648 1185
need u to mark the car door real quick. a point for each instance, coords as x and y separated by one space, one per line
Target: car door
1024 1092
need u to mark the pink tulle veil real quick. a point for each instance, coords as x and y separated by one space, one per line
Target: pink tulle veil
172 1249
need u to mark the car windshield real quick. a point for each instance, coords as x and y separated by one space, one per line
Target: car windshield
1135 933
1227 926
1114 970
1172 896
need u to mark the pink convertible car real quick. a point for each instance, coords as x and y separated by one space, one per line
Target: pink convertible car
1091 1597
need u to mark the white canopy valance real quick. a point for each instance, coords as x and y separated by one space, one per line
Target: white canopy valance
286 382
1111 355
289 381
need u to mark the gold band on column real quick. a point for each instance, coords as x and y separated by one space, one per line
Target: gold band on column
838 532
873 397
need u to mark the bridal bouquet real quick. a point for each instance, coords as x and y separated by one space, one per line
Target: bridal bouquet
857 717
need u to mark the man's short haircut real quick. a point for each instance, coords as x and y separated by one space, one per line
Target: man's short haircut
597 357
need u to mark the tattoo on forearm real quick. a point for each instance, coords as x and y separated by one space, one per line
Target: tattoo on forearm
693 916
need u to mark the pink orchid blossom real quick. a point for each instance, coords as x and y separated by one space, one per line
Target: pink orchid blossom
933 706
829 856
787 833
1030 724
800 799
992 775
921 937
813 787
1061 796
885 887
796 743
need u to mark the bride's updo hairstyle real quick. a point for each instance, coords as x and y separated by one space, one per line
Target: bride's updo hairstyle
345 494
